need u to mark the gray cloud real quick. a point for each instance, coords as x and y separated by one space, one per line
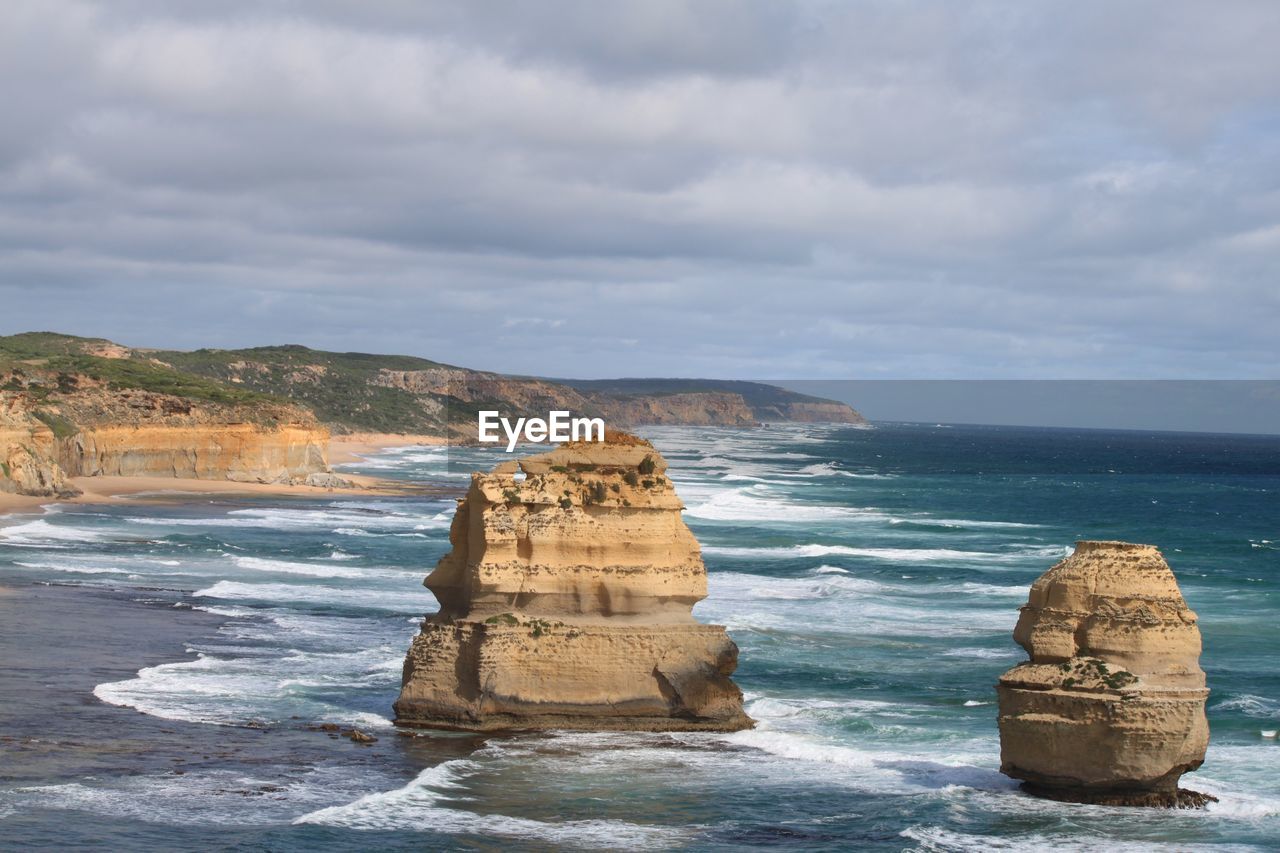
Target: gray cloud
720 188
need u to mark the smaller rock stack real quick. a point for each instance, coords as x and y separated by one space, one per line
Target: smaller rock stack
1110 708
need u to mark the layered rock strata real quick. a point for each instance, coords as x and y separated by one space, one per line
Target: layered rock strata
1110 707
221 451
27 465
566 603
95 431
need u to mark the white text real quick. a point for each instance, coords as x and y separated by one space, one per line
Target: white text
559 426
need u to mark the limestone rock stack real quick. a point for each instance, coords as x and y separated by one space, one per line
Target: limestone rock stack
566 603
1110 707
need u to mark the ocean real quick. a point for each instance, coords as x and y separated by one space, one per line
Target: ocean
164 665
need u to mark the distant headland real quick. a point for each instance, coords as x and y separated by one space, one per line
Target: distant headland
74 407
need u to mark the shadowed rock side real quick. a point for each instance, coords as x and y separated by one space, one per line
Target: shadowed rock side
566 603
1110 708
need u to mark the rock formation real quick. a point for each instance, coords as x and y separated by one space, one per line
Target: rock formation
240 452
1110 707
817 412
85 429
537 396
706 408
566 603
353 392
27 466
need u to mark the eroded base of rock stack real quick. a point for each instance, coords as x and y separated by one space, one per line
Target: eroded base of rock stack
1110 708
566 603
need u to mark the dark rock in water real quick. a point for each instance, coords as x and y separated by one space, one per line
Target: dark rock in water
1182 798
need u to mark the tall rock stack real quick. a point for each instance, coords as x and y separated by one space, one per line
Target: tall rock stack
566 603
1110 708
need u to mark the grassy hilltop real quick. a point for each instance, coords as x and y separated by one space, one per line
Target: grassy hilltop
364 392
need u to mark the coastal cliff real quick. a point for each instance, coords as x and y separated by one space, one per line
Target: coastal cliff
73 406
706 408
467 389
1110 707
810 411
240 452
566 603
58 424
756 402
27 463
363 392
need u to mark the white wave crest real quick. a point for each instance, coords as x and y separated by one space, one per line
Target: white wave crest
1259 707
744 505
405 601
417 806
261 564
896 555
943 840
41 532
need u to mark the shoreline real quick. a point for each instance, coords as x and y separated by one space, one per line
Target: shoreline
116 489
352 447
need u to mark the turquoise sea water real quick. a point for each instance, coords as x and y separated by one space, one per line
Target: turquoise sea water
870 577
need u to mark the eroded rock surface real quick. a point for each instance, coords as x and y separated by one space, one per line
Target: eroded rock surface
86 429
1110 707
566 603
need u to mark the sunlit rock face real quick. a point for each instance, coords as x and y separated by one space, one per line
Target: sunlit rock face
1110 707
103 431
566 603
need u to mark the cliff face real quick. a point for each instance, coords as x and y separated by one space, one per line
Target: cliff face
351 392
537 397
28 450
761 402
565 603
1110 707
226 451
707 408
804 411
86 429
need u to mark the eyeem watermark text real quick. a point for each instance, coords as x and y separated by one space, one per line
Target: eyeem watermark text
558 427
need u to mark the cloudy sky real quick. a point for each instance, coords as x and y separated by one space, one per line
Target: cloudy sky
732 189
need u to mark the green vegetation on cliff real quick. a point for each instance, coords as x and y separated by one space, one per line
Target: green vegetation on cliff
55 362
337 386
62 427
755 393
364 392
767 402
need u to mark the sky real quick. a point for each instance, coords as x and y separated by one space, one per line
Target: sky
720 188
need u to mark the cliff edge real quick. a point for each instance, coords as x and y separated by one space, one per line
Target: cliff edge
88 415
566 603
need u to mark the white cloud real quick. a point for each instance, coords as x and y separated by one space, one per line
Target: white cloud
673 187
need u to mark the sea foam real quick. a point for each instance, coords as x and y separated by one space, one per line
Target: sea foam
419 806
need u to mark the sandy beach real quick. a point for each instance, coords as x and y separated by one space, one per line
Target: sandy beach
105 490
108 490
351 447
